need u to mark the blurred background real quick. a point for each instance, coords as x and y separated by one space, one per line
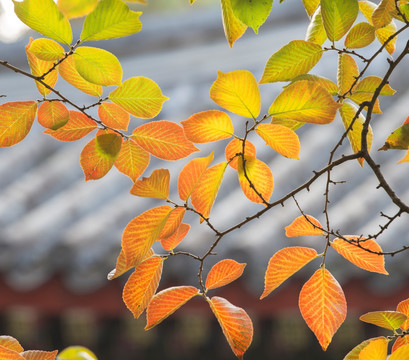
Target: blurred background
60 235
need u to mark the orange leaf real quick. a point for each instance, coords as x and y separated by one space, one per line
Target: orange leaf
399 342
140 234
354 353
9 354
99 155
223 273
285 263
260 176
113 116
208 126
403 307
375 350
204 193
303 227
121 266
154 186
402 353
16 120
10 343
39 355
323 306
358 256
77 127
172 224
347 72
53 114
237 91
387 319
38 68
132 159
233 27
234 148
281 138
235 323
191 174
167 302
142 284
172 241
163 139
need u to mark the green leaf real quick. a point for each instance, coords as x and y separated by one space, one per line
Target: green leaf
45 17
233 27
110 19
361 35
399 139
253 13
296 58
338 17
316 32
387 319
98 66
76 353
140 96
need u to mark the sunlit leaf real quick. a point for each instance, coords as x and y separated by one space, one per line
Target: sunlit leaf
172 241
166 302
223 273
361 35
375 350
110 19
402 353
354 353
204 193
154 186
46 49
142 284
348 113
305 101
39 67
384 34
296 58
208 126
399 342
399 139
39 355
347 73
45 17
140 96
53 114
310 6
370 261
323 306
323 81
282 139
98 66
132 159
361 97
76 8
403 307
191 174
235 147
113 116
9 354
237 91
315 31
303 226
235 323
17 117
369 84
387 319
382 15
291 124
77 127
253 13
285 263
76 353
233 27
10 343
405 158
172 224
338 17
99 155
367 8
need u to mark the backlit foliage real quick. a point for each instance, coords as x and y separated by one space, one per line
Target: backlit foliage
305 100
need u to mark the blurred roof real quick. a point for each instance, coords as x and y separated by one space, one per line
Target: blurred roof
53 222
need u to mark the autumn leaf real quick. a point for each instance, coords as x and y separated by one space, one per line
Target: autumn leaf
73 352
347 73
172 224
403 307
17 117
382 15
39 355
315 31
46 49
208 126
327 84
237 91
223 273
166 302
154 186
76 8
375 350
163 139
399 342
399 139
323 306
53 114
252 13
10 343
174 240
387 319
233 27
402 353
354 353
304 225
369 85
113 116
370 261
285 263
360 36
235 147
235 323
9 354
142 284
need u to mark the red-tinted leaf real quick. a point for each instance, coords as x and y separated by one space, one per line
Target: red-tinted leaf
167 302
387 319
172 241
142 284
285 263
154 186
163 139
16 120
235 323
172 224
78 126
53 114
323 306
113 116
10 343
223 273
39 355
364 259
399 342
402 353
302 227
403 307
234 148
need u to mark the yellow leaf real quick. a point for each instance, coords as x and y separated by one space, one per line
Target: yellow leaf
387 319
233 27
375 350
361 35
303 226
382 14
237 91
323 81
354 353
154 186
405 158
383 34
347 73
310 6
46 49
399 342
402 353
234 148
315 31
369 84
76 8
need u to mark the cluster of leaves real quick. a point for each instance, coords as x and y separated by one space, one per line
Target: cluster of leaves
306 99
